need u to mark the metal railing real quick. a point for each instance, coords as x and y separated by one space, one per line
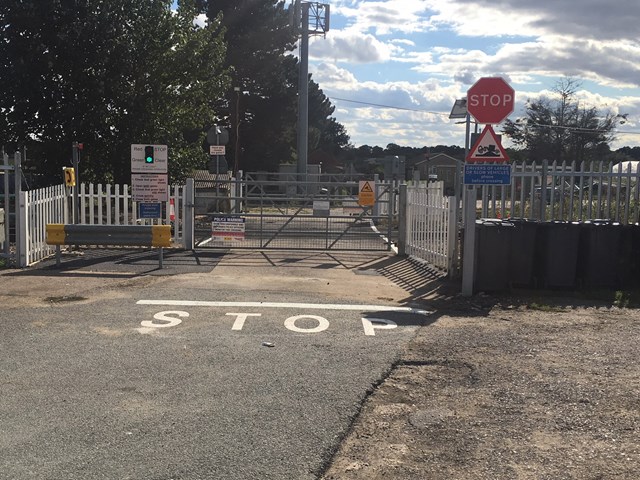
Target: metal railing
289 211
550 191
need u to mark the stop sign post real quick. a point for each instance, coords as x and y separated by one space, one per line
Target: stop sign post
490 100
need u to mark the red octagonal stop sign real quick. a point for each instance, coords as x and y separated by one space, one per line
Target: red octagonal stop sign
490 100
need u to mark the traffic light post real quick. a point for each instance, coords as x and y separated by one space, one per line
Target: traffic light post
75 148
149 178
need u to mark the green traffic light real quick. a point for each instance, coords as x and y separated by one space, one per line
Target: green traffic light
148 154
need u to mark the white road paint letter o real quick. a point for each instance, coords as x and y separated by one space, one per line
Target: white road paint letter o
323 324
370 329
240 318
163 316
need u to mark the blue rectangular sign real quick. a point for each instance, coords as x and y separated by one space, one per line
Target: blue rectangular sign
487 174
149 210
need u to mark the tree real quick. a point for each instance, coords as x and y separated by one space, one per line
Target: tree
107 74
261 104
257 106
325 133
561 129
629 153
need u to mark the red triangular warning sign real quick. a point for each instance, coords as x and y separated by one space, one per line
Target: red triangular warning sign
487 148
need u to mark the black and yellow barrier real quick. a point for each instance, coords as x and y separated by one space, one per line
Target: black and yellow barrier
108 235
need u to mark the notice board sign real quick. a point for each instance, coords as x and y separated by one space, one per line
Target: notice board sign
150 188
150 210
487 174
228 230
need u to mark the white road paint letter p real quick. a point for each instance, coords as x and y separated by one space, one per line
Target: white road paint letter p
383 324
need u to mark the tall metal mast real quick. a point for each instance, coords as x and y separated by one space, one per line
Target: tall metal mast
308 18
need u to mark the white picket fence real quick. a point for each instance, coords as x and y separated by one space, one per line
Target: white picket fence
98 204
431 225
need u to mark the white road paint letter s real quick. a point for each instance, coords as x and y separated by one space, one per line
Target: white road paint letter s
323 324
370 329
240 318
164 316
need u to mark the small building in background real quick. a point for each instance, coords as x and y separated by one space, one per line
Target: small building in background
393 166
212 192
441 167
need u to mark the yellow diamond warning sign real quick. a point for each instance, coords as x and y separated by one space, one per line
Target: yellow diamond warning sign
366 195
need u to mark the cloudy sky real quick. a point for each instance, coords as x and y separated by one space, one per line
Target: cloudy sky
419 56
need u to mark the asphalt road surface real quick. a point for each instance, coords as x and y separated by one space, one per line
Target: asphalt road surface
226 366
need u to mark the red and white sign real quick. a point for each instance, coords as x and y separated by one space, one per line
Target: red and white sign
228 229
487 148
490 100
217 149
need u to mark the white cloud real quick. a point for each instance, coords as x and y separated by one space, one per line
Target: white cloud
384 17
533 44
351 47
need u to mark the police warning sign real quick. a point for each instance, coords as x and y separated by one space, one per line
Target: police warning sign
227 230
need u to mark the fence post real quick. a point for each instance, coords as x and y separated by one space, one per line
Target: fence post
452 229
20 212
375 211
187 215
402 220
468 260
21 228
7 203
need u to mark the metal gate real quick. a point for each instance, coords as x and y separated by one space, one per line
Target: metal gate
288 212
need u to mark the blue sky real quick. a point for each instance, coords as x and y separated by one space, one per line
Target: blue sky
416 57
424 54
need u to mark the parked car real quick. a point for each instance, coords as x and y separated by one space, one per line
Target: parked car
603 188
564 189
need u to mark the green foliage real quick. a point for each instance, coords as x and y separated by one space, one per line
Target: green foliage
621 299
543 307
107 74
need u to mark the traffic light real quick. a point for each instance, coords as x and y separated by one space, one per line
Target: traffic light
148 154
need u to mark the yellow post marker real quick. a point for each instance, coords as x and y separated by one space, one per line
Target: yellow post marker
55 234
69 176
161 235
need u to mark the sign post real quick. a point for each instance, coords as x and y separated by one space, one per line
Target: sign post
490 100
149 179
